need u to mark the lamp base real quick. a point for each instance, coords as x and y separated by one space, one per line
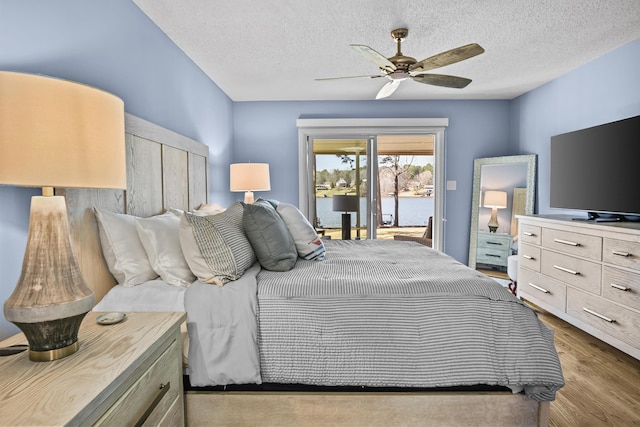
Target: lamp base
248 197
51 298
52 339
346 226
493 221
48 356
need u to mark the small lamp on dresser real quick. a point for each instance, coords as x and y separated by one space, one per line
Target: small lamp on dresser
55 133
249 177
494 200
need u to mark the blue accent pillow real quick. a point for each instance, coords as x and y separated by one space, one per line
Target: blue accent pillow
268 234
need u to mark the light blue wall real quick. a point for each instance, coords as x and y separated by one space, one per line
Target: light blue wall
111 45
604 90
267 132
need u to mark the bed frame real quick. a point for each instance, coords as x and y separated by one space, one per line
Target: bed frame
165 169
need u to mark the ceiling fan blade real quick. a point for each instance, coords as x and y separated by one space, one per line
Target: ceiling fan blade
352 77
388 89
373 56
447 58
442 80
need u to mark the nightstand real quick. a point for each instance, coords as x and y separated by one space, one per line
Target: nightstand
494 249
123 374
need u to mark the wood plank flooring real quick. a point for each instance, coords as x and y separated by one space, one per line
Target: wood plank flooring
602 384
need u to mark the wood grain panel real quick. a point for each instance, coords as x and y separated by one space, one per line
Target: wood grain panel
198 187
79 389
621 286
175 178
363 409
84 233
144 176
145 191
625 322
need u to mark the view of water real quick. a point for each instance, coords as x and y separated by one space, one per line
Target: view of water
413 211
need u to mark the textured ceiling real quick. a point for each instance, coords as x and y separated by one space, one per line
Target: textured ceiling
273 50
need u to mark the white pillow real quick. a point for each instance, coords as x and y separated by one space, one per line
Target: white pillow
160 238
126 258
308 243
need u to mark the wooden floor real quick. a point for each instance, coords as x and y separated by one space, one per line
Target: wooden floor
602 384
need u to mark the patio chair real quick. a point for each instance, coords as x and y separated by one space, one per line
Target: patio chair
426 238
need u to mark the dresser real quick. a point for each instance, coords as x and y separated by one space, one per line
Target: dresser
493 249
123 374
585 273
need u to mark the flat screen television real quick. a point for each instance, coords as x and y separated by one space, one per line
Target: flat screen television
598 170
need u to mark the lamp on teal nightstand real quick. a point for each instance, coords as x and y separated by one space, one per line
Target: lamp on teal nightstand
55 133
494 200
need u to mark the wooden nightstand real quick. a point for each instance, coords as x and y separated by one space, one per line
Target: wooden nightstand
121 374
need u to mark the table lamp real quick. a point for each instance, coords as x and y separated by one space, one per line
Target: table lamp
55 133
249 177
494 200
345 204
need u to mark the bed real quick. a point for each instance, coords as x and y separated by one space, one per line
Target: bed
301 347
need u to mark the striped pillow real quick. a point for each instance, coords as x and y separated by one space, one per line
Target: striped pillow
223 243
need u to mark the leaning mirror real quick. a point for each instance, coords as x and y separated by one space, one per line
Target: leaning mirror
503 187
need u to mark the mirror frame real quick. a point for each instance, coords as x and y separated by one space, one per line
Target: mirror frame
530 161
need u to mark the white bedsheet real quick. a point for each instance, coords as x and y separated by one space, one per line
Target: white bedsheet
154 295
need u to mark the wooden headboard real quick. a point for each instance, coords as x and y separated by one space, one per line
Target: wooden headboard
164 170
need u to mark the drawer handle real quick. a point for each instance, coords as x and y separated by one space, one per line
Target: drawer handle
620 253
494 255
539 288
566 270
164 388
598 315
619 287
528 257
566 242
526 233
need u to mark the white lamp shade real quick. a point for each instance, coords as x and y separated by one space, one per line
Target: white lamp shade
343 203
56 133
495 199
249 177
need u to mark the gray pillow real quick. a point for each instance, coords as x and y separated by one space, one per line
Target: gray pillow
223 243
269 237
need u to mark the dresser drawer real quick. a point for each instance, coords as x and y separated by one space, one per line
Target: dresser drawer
529 257
544 289
578 272
617 321
156 390
621 286
573 243
530 234
621 252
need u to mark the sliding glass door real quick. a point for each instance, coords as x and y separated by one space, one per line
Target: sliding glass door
394 167
391 177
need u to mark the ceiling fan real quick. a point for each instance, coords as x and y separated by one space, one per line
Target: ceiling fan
399 67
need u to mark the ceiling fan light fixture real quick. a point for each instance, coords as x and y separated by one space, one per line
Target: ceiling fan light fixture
400 67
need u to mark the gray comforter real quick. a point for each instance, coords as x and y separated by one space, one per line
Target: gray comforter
396 314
